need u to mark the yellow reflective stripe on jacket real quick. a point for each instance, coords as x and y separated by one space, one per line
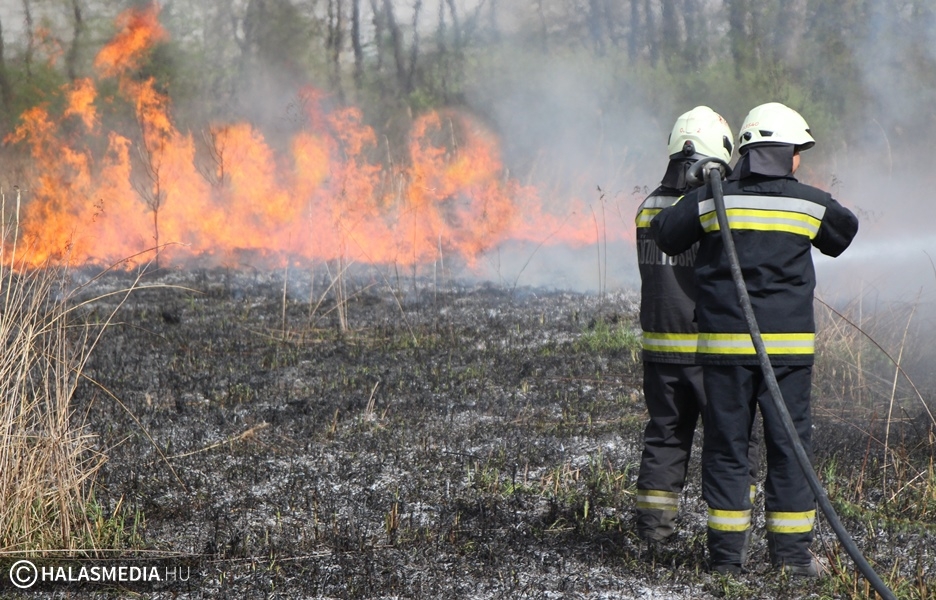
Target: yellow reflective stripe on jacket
790 522
766 213
740 343
645 216
765 220
729 520
670 342
651 207
657 500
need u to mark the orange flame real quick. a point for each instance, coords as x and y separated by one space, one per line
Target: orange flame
325 195
138 30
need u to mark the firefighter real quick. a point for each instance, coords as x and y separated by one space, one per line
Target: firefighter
673 389
775 220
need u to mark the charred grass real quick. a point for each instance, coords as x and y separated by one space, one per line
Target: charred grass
465 442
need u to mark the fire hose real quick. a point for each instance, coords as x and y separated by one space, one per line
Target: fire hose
707 165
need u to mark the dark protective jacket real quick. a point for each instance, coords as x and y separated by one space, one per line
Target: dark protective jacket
775 222
667 291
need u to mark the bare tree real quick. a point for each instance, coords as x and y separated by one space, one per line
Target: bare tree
152 189
215 171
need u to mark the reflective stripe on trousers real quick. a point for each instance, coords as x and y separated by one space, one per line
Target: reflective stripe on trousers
791 522
729 520
657 500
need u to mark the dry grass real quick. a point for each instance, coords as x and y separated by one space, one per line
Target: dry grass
882 476
48 457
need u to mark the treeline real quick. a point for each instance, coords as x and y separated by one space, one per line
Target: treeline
863 71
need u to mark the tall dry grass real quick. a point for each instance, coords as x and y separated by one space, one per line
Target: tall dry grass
48 456
870 360
873 377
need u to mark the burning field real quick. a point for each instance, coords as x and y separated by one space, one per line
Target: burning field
307 393
447 442
116 176
451 443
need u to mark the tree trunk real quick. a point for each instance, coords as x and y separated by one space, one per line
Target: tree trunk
609 11
456 28
444 59
671 39
697 47
356 44
30 39
334 42
6 92
71 59
785 31
737 13
414 50
596 26
651 35
396 39
757 41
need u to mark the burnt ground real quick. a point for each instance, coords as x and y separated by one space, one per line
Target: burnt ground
453 442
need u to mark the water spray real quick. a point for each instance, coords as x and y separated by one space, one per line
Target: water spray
706 166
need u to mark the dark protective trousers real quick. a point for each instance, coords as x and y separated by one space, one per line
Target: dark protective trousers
734 393
675 398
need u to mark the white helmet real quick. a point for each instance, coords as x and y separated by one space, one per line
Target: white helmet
699 133
775 123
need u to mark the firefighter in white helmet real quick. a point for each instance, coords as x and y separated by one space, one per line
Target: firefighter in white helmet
672 383
775 221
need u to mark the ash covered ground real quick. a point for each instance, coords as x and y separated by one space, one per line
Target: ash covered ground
451 442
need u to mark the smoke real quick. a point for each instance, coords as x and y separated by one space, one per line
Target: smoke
893 257
588 143
887 177
589 134
894 58
567 128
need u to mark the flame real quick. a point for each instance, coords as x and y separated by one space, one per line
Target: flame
225 193
138 30
80 103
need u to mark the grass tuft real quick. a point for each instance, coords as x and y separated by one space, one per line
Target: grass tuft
48 455
609 336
